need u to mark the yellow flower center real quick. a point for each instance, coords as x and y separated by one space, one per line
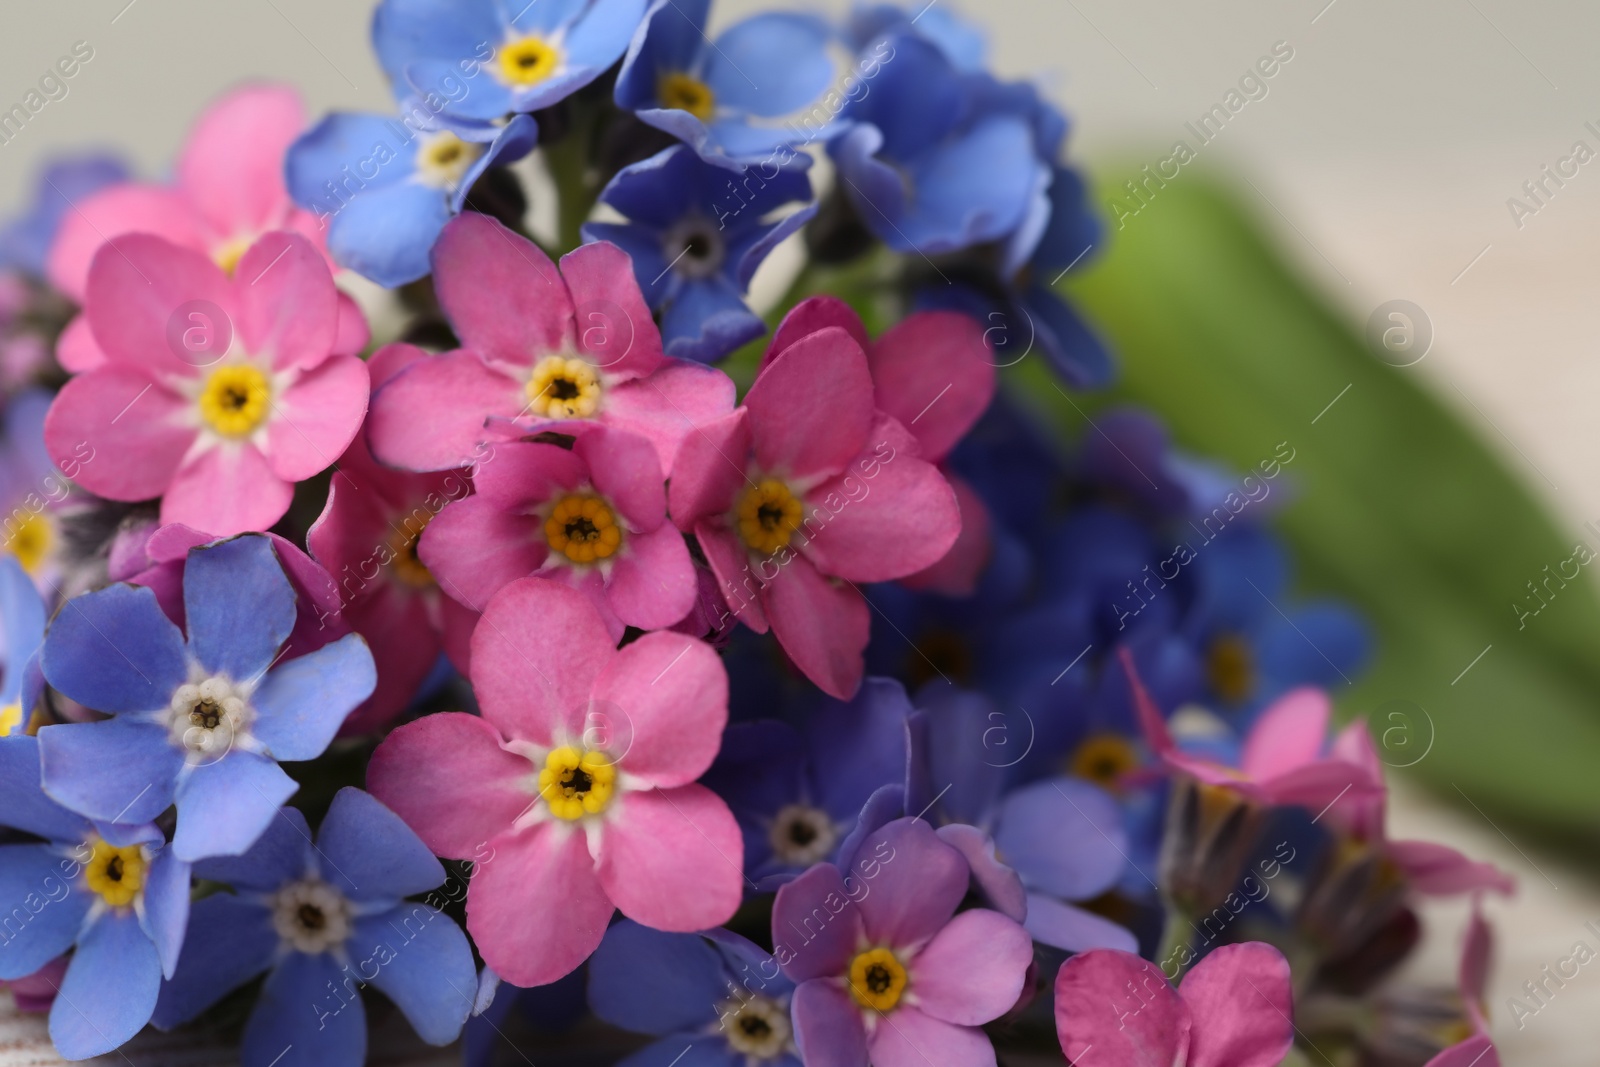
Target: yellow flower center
768 513
564 387
576 783
686 93
229 255
527 61
403 555
116 874
582 528
877 979
443 159
1231 668
30 541
235 400
1103 759
10 717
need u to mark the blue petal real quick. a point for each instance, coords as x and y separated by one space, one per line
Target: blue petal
671 38
485 99
512 141
652 982
224 807
1076 352
41 911
371 853
707 321
332 153
109 990
771 64
600 37
113 650
882 807
421 960
282 853
239 606
859 746
1064 836
386 234
234 942
302 703
307 1016
1326 643
959 749
972 188
404 31
749 250
643 246
117 770
22 614
166 907
1072 929
662 189
25 242
747 960
543 17
26 807
687 1050
915 101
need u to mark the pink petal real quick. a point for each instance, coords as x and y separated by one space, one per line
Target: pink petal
536 653
1151 722
448 778
228 489
1477 1051
914 880
287 306
623 469
730 565
1241 1001
934 372
614 329
535 907
1288 734
652 583
124 433
823 625
405 647
673 859
1316 786
1475 953
475 548
389 360
522 474
1363 818
460 623
888 515
669 404
828 1026
816 927
429 417
710 470
317 417
112 212
973 970
353 333
1121 1006
1000 886
957 572
502 294
142 295
670 696
231 168
811 409
907 1037
1439 870
813 314
76 348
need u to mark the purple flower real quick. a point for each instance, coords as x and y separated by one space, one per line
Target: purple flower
885 969
25 241
325 919
201 722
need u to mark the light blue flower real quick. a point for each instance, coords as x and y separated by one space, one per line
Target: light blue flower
22 613
25 240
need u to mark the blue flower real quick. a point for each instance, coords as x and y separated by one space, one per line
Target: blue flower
203 722
962 42
324 919
385 186
929 163
798 793
22 613
760 88
33 491
25 241
533 53
696 239
714 999
113 891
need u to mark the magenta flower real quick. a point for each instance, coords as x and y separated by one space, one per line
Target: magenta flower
802 492
1478 1049
220 433
885 971
575 792
541 350
228 192
367 538
1232 1010
593 517
935 372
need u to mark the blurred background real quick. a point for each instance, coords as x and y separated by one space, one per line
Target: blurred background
1384 160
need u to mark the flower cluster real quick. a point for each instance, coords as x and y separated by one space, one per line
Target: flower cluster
896 727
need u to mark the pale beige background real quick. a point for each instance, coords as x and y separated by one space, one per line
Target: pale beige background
1384 154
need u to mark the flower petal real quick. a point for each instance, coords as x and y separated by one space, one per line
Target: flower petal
317 417
669 404
811 408
109 990
371 853
423 963
614 329
302 1018
1288 735
238 944
652 982
303 702
823 625
1072 929
1439 870
973 970
287 307
476 547
912 1038
652 582
429 417
673 859
933 372
129 207
500 292
670 694
229 489
113 650
43 913
919 882
1064 836
239 606
817 924
125 434
1122 1005
223 807
231 167
710 470
828 1027
115 770
27 808
623 469
1239 997
140 289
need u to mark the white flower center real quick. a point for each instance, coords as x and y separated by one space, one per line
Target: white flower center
758 1026
311 916
694 247
206 718
802 835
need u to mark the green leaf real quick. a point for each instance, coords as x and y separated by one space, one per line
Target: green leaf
1398 506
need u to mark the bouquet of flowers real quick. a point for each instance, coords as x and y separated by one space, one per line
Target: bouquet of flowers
548 643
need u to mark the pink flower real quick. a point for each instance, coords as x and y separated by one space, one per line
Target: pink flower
541 350
367 537
1232 1010
228 193
935 373
1477 1050
575 792
222 432
593 517
885 970
802 492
